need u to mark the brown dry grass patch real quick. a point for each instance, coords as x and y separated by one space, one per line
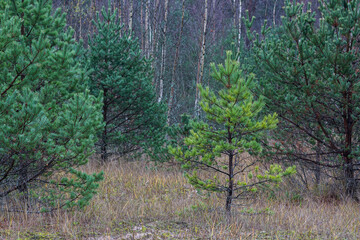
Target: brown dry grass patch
138 200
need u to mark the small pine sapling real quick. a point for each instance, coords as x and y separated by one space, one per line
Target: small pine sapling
233 132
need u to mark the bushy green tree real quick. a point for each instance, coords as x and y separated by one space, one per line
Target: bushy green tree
309 69
48 120
234 131
134 120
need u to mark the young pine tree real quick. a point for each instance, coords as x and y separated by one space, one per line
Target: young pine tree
309 71
234 131
48 119
133 118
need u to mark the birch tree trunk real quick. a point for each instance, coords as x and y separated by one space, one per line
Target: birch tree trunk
142 26
239 29
147 36
234 10
131 13
172 85
201 62
274 13
155 39
163 54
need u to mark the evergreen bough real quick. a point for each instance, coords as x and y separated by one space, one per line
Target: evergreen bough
309 73
48 119
134 120
233 131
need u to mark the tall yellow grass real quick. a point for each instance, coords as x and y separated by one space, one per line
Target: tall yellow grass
138 200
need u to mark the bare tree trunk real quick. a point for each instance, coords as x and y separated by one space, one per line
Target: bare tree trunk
230 190
23 172
104 142
147 37
154 26
172 86
92 16
350 179
214 20
119 11
229 196
201 61
274 13
142 27
234 11
239 28
131 13
163 54
154 39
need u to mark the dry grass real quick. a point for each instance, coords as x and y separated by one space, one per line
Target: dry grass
140 201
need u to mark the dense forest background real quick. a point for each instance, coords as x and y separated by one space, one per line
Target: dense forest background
182 37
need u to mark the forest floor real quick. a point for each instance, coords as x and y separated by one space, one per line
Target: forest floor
139 200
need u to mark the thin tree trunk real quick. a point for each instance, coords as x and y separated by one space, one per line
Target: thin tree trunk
92 16
214 20
131 13
350 181
80 19
274 13
172 85
119 11
154 26
141 26
234 11
104 142
147 37
23 173
229 196
239 27
231 176
201 61
163 54
154 40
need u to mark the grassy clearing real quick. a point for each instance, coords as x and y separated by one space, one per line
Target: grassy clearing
138 200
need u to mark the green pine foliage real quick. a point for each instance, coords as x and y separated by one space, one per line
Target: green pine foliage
134 120
234 129
48 119
309 70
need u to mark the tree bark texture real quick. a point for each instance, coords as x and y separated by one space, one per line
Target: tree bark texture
172 85
163 54
201 61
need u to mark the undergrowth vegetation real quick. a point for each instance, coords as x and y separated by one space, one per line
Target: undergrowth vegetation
139 200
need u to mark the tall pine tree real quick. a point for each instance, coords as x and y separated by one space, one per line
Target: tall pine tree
48 120
133 118
310 77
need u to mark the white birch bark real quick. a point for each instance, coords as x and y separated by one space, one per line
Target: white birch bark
131 13
147 37
142 26
154 40
239 29
163 54
274 13
201 61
